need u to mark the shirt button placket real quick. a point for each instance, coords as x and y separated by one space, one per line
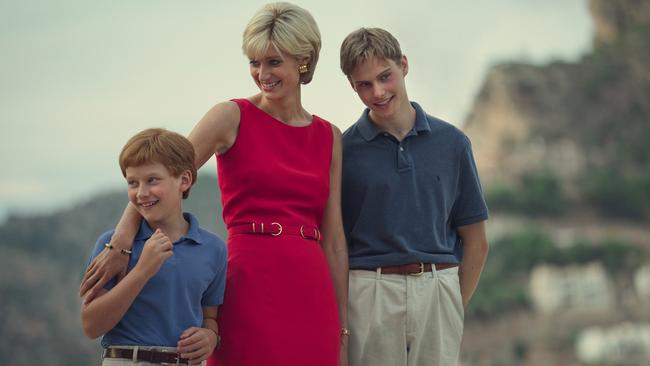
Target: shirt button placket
403 163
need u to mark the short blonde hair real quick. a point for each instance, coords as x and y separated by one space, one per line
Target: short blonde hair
157 145
288 27
366 43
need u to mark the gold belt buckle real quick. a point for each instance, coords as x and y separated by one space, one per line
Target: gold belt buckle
316 233
261 229
417 274
279 229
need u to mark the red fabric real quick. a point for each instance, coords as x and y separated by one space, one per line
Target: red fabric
279 306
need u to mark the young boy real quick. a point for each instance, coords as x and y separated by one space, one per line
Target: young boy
164 310
413 215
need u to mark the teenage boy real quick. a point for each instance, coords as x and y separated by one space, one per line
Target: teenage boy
164 311
413 214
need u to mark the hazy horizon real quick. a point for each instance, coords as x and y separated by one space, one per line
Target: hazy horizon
79 78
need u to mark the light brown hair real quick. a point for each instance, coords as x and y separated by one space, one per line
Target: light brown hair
366 43
158 145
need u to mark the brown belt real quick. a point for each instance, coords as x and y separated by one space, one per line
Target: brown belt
164 358
415 269
276 229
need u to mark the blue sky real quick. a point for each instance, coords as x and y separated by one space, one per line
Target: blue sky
78 78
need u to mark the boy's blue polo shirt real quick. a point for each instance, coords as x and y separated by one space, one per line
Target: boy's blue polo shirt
171 301
402 201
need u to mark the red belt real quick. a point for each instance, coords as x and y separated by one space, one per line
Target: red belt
277 229
161 357
414 269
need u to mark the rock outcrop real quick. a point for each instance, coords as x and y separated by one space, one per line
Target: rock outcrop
580 121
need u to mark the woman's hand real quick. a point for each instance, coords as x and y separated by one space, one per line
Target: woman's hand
111 262
108 264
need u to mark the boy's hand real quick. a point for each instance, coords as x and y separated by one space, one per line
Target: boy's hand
155 252
108 264
197 344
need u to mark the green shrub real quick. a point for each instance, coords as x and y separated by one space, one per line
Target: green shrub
619 194
504 282
543 194
538 194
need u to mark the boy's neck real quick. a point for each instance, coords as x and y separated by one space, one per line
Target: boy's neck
174 226
399 124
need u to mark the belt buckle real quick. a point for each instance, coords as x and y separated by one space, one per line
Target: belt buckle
261 229
110 352
316 233
418 274
177 363
279 229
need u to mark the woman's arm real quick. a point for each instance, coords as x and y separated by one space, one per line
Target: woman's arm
111 262
333 242
214 133
101 315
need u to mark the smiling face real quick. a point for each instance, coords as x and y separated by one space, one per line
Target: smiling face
156 193
380 85
276 74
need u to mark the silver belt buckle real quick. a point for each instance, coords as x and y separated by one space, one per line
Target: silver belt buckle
177 363
418 274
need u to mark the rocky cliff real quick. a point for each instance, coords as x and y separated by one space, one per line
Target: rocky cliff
586 124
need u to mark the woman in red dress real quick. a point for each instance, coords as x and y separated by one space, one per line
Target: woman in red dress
279 174
280 177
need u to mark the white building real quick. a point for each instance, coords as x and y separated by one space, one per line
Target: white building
642 282
625 344
581 287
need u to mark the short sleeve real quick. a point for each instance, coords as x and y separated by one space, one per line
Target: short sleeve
214 293
469 207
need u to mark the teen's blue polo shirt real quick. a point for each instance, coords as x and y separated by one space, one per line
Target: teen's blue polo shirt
171 301
403 200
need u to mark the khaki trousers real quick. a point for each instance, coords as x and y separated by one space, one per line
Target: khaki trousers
408 320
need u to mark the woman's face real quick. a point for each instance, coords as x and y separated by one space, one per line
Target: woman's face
276 74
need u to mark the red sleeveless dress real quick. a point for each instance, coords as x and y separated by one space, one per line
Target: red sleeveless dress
280 305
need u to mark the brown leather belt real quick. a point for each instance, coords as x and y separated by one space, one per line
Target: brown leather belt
161 357
276 229
414 269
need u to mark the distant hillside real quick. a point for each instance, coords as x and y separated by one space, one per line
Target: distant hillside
562 151
552 138
42 258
